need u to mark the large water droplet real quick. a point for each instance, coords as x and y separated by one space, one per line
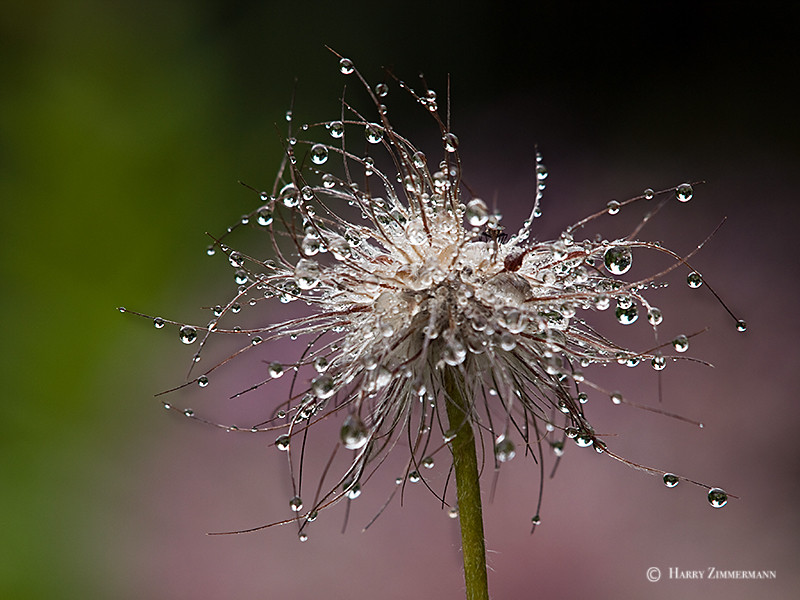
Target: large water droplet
296 504
373 133
336 129
684 192
323 387
283 442
450 142
187 334
618 259
670 480
319 154
681 343
504 449
613 207
717 497
477 212
659 362
649 194
741 326
654 316
694 279
275 370
306 273
264 216
202 381
346 66
158 322
626 316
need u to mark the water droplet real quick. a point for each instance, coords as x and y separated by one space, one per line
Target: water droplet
649 194
211 251
450 142
289 116
264 216
536 520
616 398
427 462
256 340
626 316
158 322
346 66
541 172
584 440
618 259
670 480
613 207
282 442
504 449
659 362
323 387
419 160
306 274
414 476
354 491
336 129
694 279
202 381
373 133
236 308
188 412
684 192
477 212
381 90
717 497
275 370
654 316
319 154
187 334
354 433
741 326
302 536
583 397
449 435
296 504
240 277
681 343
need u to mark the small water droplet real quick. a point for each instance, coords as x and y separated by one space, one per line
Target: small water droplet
613 207
504 449
188 412
296 504
211 251
670 480
323 387
450 142
414 476
616 398
684 192
306 274
583 397
354 434
158 322
681 343
264 216
477 213
536 520
659 362
427 462
654 316
302 536
187 334
649 194
346 66
717 497
282 442
626 316
694 279
336 129
381 90
741 326
202 381
618 260
319 154
452 513
373 133
419 160
275 370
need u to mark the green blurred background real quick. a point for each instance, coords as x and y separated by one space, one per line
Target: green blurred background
123 130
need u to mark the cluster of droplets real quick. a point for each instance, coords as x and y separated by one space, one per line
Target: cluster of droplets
427 282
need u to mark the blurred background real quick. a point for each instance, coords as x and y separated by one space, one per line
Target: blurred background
123 130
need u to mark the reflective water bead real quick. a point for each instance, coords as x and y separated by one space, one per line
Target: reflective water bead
202 381
302 536
419 159
236 259
282 442
187 334
450 142
321 364
626 316
536 520
681 343
717 497
618 259
319 154
354 491
306 274
427 462
211 251
541 171
240 277
323 387
477 212
381 90
649 194
670 480
346 66
684 192
584 440
613 207
654 316
256 340
659 362
158 323
583 397
188 412
694 279
373 133
558 448
571 432
414 476
296 504
275 370
236 308
741 326
504 449
264 216
616 398
452 513
336 129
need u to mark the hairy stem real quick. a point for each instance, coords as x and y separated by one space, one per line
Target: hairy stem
465 464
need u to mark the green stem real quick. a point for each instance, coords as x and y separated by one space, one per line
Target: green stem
468 489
